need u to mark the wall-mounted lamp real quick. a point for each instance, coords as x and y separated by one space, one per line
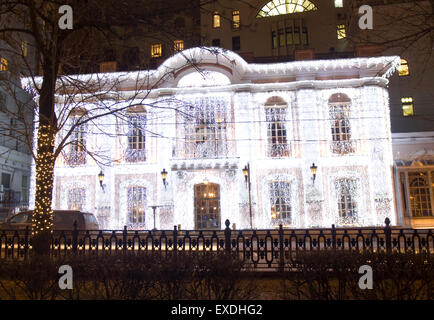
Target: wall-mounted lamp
164 177
101 179
246 172
313 169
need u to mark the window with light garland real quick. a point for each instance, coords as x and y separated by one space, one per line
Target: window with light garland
136 151
275 113
280 200
339 110
136 205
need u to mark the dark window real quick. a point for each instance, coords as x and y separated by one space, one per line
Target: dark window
273 40
236 43
296 35
281 38
6 180
216 42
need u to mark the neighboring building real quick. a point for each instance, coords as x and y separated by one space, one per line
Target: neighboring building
277 118
16 127
287 30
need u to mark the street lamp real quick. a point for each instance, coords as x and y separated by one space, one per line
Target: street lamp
246 172
313 169
164 176
101 179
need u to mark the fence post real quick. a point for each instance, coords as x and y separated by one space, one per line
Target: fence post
74 237
124 239
26 242
333 236
282 254
175 239
227 236
388 235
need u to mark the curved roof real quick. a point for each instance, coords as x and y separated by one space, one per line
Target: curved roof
280 7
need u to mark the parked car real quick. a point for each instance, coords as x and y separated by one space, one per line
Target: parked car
63 220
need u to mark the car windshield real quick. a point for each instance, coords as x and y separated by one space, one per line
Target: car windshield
19 218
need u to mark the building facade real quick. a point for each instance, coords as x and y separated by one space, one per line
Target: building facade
209 120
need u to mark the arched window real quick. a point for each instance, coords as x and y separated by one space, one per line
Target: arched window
339 109
76 199
136 151
420 200
280 7
275 113
346 197
280 200
136 205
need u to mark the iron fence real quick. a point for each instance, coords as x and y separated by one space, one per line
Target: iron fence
260 249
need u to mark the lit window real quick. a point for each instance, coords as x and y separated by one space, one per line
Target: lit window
420 200
136 137
403 69
178 45
275 114
339 109
339 3
280 200
207 206
235 19
342 33
407 107
156 50
24 48
347 205
76 199
280 7
3 64
216 20
136 205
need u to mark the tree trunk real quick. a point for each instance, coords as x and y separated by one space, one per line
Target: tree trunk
43 214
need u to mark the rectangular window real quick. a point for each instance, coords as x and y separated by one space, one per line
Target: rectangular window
205 128
236 19
341 31
407 107
24 46
216 42
76 199
281 38
156 50
297 39
136 205
339 3
3 64
25 189
77 152
236 43
178 45
304 36
273 40
420 198
280 200
276 131
216 20
403 69
347 205
136 138
6 180
289 37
